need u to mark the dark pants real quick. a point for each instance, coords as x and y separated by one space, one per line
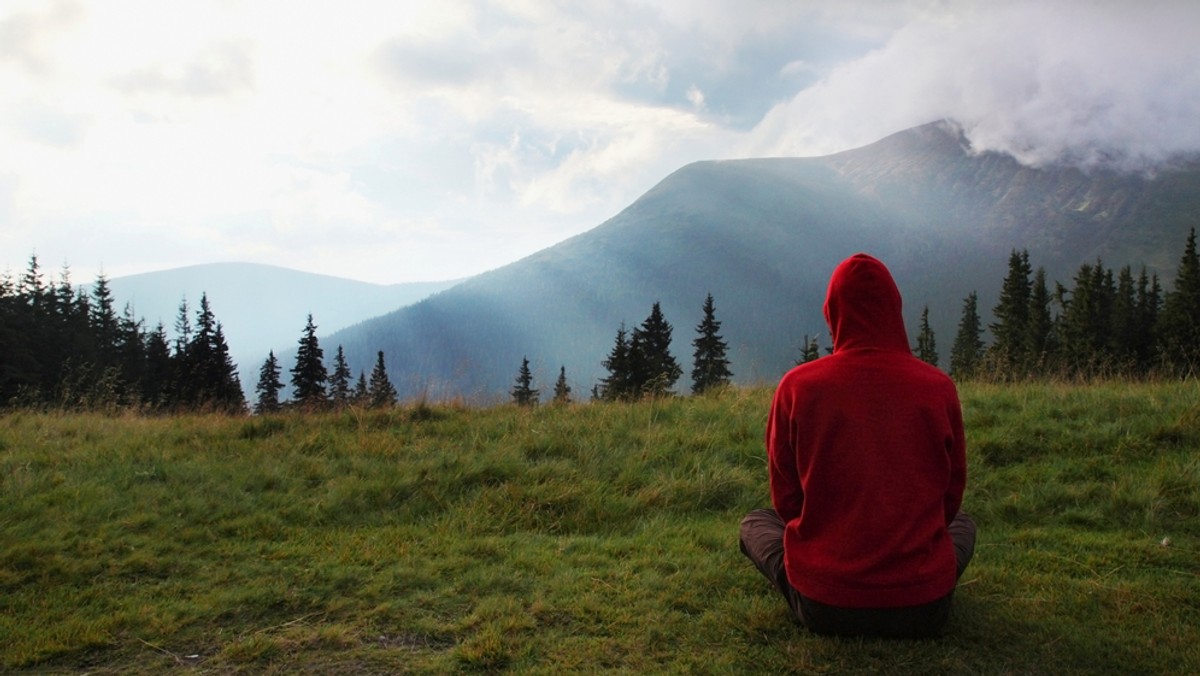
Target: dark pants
762 543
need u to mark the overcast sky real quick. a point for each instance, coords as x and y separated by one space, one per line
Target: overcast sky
391 141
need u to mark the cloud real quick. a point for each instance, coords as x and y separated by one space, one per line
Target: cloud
1091 84
219 70
564 110
429 138
799 67
27 36
49 126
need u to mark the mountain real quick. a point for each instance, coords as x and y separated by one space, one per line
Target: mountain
762 236
261 307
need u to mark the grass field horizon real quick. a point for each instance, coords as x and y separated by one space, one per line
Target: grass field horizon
590 537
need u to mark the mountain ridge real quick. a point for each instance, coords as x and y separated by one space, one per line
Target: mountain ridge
762 235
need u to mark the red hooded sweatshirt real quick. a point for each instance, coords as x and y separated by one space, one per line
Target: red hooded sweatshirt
867 456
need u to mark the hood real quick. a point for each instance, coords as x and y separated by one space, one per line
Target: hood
863 307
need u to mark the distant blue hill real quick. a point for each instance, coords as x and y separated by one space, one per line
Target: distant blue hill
262 307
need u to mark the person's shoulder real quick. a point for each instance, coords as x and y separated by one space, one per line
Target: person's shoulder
816 368
803 379
930 372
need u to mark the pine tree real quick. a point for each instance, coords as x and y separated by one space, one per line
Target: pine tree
1179 320
810 350
926 344
19 370
340 381
32 286
362 392
194 384
64 294
104 323
1039 330
1106 287
1149 302
380 391
131 357
619 383
209 376
1123 322
269 386
70 319
1086 319
1012 315
967 351
655 371
309 375
562 391
229 395
32 289
183 328
184 383
156 385
710 366
522 392
68 340
40 365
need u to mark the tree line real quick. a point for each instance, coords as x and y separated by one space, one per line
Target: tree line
69 349
1104 324
66 348
1107 324
314 387
641 365
62 347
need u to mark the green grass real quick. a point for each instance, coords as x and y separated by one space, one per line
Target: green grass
596 537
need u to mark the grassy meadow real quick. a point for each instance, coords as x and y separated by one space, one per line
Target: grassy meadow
592 537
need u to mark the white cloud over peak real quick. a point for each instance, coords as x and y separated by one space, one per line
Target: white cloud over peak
1083 83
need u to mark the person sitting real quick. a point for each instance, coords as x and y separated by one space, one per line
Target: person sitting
867 466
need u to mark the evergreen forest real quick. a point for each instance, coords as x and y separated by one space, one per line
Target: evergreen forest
1104 324
63 347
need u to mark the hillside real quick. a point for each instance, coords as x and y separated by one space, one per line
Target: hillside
261 307
762 236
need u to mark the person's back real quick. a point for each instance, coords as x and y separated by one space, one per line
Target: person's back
867 468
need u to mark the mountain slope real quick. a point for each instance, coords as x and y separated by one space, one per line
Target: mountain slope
261 307
762 236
